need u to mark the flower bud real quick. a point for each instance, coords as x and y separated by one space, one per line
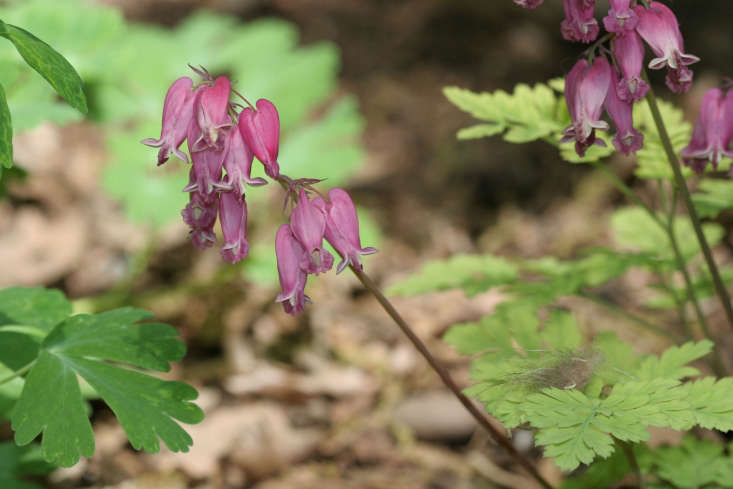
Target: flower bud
342 229
233 218
308 223
579 23
713 135
627 139
261 132
629 52
659 28
177 113
621 18
290 254
586 88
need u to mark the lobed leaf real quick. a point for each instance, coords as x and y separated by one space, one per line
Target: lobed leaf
472 273
711 402
672 364
713 197
98 349
651 158
16 462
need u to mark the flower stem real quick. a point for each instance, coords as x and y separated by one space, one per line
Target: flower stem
17 373
682 185
628 449
445 376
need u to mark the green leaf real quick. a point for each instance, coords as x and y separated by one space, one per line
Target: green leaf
575 429
472 273
634 228
713 197
6 133
83 345
16 462
33 306
672 364
561 331
527 114
711 402
601 473
681 465
652 160
49 64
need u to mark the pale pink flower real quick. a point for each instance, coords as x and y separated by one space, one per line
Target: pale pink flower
342 229
290 254
261 132
177 113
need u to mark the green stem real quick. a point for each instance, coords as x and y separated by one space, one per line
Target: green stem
682 185
631 317
17 373
445 376
717 365
628 449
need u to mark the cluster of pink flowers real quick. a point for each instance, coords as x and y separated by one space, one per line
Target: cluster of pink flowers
595 84
222 144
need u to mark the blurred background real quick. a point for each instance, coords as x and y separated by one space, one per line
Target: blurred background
334 398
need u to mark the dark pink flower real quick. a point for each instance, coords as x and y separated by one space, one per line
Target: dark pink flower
233 219
342 229
308 223
530 4
212 114
261 132
200 215
177 113
627 139
629 52
579 23
713 135
290 254
238 164
659 28
621 18
586 88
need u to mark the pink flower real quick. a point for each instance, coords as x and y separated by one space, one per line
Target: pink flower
200 215
205 174
261 132
212 114
627 139
530 4
308 223
290 254
238 164
659 28
713 135
629 52
579 23
233 218
342 229
586 88
177 113
620 18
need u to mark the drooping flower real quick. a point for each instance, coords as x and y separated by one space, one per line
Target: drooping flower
659 28
342 229
205 173
530 4
177 113
621 18
586 88
233 218
627 139
290 254
261 132
238 164
212 115
629 53
308 223
579 23
200 215
712 137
